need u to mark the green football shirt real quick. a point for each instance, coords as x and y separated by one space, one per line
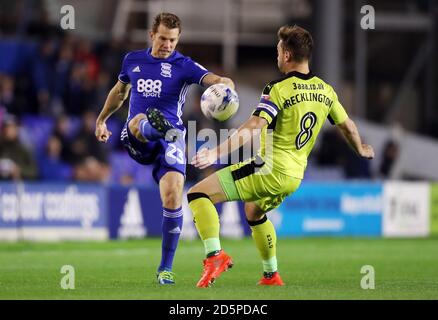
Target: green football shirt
296 108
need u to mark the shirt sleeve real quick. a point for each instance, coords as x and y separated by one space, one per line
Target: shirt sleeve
337 113
268 106
123 75
195 72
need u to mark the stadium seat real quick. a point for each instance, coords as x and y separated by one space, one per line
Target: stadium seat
37 130
122 165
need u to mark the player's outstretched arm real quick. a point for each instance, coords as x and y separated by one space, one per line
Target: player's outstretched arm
349 131
211 79
113 102
252 127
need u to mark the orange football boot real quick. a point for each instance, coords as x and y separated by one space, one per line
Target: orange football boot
271 279
213 267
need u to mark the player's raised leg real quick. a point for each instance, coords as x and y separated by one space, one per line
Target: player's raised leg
202 198
158 124
142 129
265 238
171 189
152 126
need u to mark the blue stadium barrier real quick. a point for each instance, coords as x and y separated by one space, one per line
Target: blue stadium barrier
43 211
36 211
325 209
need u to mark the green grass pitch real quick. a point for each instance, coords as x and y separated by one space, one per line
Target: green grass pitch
323 268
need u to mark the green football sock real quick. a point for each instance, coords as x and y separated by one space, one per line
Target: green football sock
211 245
206 221
270 265
265 239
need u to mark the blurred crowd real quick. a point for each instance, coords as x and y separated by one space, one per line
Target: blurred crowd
53 84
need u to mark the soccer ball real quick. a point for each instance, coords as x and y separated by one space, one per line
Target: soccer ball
219 102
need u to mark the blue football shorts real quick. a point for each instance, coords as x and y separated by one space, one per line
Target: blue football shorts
164 156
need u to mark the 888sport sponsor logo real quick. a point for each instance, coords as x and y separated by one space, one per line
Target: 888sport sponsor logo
149 87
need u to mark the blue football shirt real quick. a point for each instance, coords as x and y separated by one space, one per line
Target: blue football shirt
160 83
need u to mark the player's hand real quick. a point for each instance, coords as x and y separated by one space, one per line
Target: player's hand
102 133
367 151
204 158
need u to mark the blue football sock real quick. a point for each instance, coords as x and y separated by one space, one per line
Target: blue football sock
149 132
171 229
